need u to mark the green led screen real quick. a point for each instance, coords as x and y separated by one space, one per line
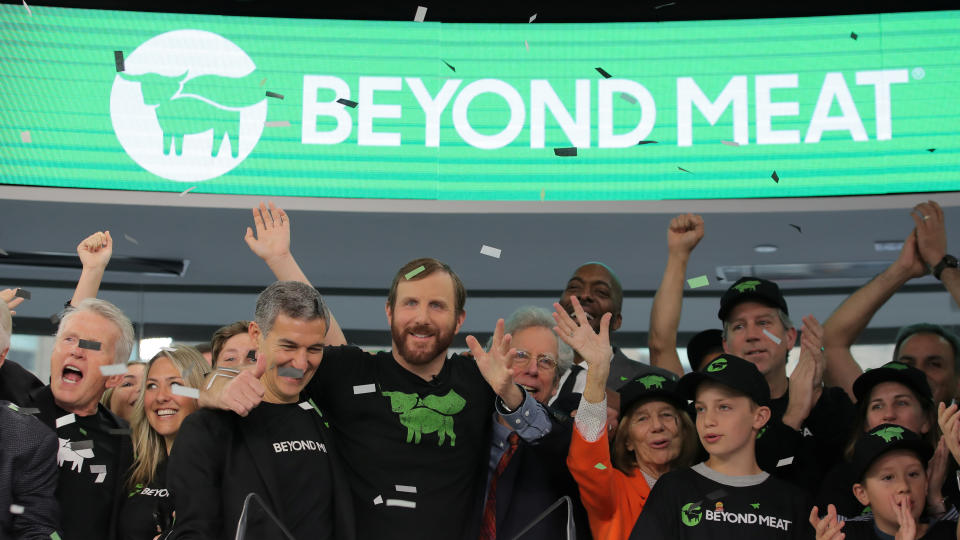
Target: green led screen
679 110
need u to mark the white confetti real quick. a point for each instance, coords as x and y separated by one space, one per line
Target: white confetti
185 391
25 135
306 406
490 251
16 509
113 369
66 420
188 190
421 14
785 461
401 503
4 253
533 17
29 11
379 499
772 337
100 478
131 239
278 123
364 389
406 489
731 143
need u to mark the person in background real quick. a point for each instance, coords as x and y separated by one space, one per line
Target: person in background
231 346
121 398
704 347
206 351
15 381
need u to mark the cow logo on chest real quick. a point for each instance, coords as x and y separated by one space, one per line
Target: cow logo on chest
427 415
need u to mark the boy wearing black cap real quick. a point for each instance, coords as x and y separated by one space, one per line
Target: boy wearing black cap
727 496
890 466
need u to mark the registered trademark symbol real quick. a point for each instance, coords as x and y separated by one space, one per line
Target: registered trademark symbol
918 73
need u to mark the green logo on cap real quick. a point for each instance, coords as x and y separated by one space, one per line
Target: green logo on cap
890 433
747 286
895 365
651 381
691 514
717 365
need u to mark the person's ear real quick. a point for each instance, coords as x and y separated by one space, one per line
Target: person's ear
113 380
615 321
460 318
761 417
389 312
255 333
791 336
860 492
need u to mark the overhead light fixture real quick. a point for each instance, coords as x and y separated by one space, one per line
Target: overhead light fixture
803 272
765 248
888 245
133 265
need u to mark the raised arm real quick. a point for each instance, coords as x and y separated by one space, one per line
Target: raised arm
843 327
94 251
683 234
271 242
932 243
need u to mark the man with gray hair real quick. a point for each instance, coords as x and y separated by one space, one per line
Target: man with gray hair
95 448
282 450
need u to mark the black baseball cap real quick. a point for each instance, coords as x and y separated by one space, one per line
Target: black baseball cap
751 289
899 372
647 387
885 438
703 344
732 371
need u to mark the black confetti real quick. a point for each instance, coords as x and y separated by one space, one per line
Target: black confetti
348 103
603 72
853 35
646 142
274 95
628 98
81 445
118 57
797 227
565 152
23 293
91 345
449 66
118 431
930 149
684 170
775 177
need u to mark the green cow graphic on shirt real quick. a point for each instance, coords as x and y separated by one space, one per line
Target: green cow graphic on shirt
427 415
691 514
747 286
890 433
651 381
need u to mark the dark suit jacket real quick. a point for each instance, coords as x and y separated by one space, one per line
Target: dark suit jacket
214 465
623 369
16 383
42 398
28 476
535 478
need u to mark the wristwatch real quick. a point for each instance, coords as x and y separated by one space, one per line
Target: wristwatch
948 261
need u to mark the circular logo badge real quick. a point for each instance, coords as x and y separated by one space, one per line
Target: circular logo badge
691 514
189 106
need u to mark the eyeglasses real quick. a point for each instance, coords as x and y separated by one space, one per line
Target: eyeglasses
545 362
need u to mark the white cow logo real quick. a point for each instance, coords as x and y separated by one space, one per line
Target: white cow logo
75 457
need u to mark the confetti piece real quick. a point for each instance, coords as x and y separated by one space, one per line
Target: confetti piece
188 190
185 391
274 95
263 81
29 12
130 239
664 5
797 227
414 272
448 65
731 143
54 535
775 177
565 152
118 431
66 420
168 349
490 251
628 97
16 509
98 480
527 45
406 489
280 123
853 36
83 431
364 389
378 500
25 137
118 58
646 142
113 369
4 253
401 503
89 344
930 149
603 72
22 293
29 410
697 282
348 103
600 466
684 170
772 337
305 405
785 461
289 371
533 17
421 14
81 445
543 194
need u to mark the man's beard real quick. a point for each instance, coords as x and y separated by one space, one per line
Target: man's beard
442 340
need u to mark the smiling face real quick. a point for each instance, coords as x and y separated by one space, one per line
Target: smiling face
932 355
536 366
295 343
727 422
235 350
423 321
894 403
165 410
745 338
654 436
895 478
75 377
593 285
125 395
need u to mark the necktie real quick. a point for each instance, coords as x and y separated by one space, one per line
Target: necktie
568 384
489 527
